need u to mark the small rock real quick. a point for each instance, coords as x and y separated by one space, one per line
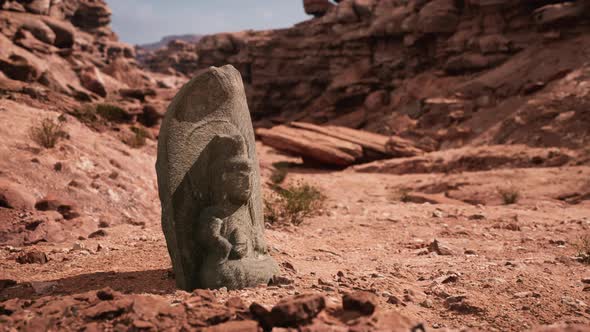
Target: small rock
105 294
522 295
44 287
32 257
58 166
98 233
6 283
238 326
440 248
363 302
103 224
427 303
438 214
394 300
53 202
297 310
78 246
586 280
477 216
235 302
280 280
289 266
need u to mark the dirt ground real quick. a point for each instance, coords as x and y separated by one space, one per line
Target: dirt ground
496 267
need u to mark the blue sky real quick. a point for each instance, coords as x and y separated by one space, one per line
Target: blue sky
144 21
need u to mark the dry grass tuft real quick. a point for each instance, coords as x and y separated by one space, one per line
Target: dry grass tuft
583 246
138 138
510 195
293 204
47 133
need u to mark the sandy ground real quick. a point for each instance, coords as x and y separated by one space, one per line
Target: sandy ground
512 263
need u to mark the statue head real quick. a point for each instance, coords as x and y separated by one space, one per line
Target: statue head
231 170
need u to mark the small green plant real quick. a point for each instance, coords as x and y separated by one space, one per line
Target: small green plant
401 195
279 172
86 114
47 133
138 137
293 204
583 246
509 195
112 113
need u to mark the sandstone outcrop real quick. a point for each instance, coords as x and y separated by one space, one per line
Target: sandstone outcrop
375 65
335 145
68 49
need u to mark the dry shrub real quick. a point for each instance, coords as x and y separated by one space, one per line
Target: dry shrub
510 195
87 115
401 195
138 137
293 204
112 113
47 133
584 249
279 173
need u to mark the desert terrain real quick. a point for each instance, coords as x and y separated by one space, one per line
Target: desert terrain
454 173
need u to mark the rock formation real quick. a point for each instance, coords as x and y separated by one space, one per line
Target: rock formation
209 186
67 50
393 66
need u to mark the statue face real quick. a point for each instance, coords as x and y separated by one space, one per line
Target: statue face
236 181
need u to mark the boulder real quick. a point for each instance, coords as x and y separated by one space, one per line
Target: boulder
40 7
32 257
360 301
40 30
65 33
297 310
53 202
26 40
91 79
312 146
317 8
19 68
92 15
561 12
438 16
14 196
13 6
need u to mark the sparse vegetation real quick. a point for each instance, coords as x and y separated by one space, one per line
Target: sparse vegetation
510 195
47 133
279 173
293 204
584 249
112 113
87 115
138 137
400 195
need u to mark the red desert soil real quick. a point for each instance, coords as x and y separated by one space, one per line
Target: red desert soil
496 267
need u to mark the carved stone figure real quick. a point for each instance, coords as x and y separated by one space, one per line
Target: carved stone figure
209 186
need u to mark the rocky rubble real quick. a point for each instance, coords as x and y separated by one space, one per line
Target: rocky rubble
108 309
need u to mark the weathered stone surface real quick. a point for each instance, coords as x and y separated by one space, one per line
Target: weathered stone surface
54 202
335 145
15 196
209 185
92 79
311 145
363 302
298 310
317 7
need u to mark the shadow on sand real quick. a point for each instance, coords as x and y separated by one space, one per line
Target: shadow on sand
139 282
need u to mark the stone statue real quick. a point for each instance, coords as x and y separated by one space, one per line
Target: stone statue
209 186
